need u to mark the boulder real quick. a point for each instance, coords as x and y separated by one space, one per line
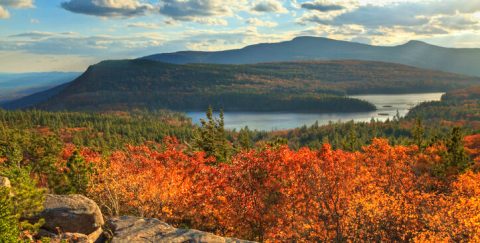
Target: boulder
133 229
72 214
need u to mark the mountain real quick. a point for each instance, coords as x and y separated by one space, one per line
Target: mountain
17 85
317 86
414 53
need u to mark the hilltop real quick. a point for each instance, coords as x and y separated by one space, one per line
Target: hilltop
413 53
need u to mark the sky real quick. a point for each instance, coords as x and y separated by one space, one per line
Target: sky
70 35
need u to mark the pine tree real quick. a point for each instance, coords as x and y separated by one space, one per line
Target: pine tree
244 139
76 178
8 219
27 198
211 137
419 133
456 155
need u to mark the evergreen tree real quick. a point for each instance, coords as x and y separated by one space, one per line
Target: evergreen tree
76 178
456 155
8 219
244 139
27 198
212 138
418 133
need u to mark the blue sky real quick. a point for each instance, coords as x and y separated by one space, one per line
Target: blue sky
69 35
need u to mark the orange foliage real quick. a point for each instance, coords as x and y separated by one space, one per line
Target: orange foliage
383 193
472 146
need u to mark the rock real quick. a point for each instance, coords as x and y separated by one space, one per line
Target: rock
72 238
71 213
133 229
96 236
5 182
42 233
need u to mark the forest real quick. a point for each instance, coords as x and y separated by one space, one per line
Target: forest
400 180
316 86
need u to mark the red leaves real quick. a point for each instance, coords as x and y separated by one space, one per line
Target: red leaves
280 194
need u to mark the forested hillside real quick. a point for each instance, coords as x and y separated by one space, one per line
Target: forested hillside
297 86
459 107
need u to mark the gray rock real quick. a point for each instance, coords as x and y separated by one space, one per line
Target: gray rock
71 238
133 229
71 213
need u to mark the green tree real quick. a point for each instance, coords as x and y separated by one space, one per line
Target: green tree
456 156
244 139
9 231
27 198
76 178
418 134
212 138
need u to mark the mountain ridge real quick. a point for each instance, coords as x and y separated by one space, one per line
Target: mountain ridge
306 48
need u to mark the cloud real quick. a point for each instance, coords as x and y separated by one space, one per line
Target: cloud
457 22
4 14
17 3
33 35
108 8
260 23
67 43
144 25
322 6
37 35
179 9
4 4
269 6
374 16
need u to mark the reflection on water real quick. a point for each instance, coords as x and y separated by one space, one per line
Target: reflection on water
387 107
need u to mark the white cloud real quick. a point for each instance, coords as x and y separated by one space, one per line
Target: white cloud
144 25
4 14
260 23
108 8
4 4
17 3
269 6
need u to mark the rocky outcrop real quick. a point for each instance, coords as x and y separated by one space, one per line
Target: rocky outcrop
77 219
72 216
133 229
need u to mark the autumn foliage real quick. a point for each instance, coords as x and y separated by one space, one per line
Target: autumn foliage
382 193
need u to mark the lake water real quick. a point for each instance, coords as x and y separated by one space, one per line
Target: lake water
387 107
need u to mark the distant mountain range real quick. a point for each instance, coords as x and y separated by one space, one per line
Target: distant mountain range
314 86
414 53
17 85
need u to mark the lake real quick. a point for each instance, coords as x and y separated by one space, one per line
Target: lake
387 107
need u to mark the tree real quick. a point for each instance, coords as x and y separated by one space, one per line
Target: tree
27 198
244 139
418 133
211 137
76 176
8 219
456 156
